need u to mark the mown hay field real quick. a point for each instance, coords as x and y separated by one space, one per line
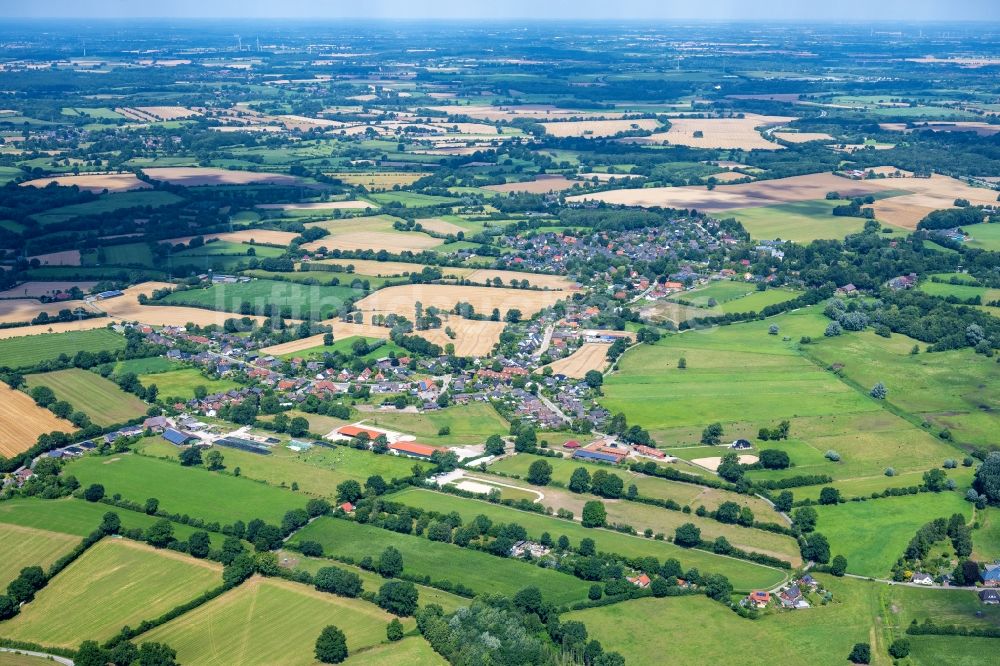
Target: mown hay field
127 581
269 621
97 397
25 547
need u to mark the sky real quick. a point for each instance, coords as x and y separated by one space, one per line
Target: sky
733 10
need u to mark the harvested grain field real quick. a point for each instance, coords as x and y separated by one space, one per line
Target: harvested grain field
58 327
208 176
45 288
318 205
722 133
401 299
472 337
26 309
390 241
598 128
22 421
927 194
746 195
262 236
94 182
64 258
802 137
374 268
167 112
540 185
379 180
541 280
539 111
439 226
590 356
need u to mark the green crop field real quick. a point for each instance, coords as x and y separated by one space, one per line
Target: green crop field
145 366
30 350
181 383
108 203
79 518
711 633
129 254
872 535
269 621
99 398
421 557
801 222
220 247
24 547
344 347
129 582
196 492
317 471
301 301
743 575
469 424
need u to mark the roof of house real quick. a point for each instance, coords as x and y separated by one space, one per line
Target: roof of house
175 436
991 573
990 594
760 595
354 431
415 449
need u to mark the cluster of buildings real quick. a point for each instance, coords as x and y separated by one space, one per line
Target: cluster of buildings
791 597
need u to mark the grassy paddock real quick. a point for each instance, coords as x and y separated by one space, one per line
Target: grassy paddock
182 382
468 424
24 547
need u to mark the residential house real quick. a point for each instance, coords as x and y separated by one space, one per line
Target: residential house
921 578
640 581
991 576
792 598
759 598
990 596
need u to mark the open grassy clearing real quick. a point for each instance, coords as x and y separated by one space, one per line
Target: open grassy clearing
864 486
343 346
411 199
468 424
27 351
182 382
703 631
99 398
986 540
872 535
269 621
300 301
742 574
196 492
984 236
421 557
24 547
22 421
128 581
317 471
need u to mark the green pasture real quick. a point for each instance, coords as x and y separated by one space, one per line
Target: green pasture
984 236
193 491
108 203
25 547
421 557
468 424
872 535
800 221
182 383
410 199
